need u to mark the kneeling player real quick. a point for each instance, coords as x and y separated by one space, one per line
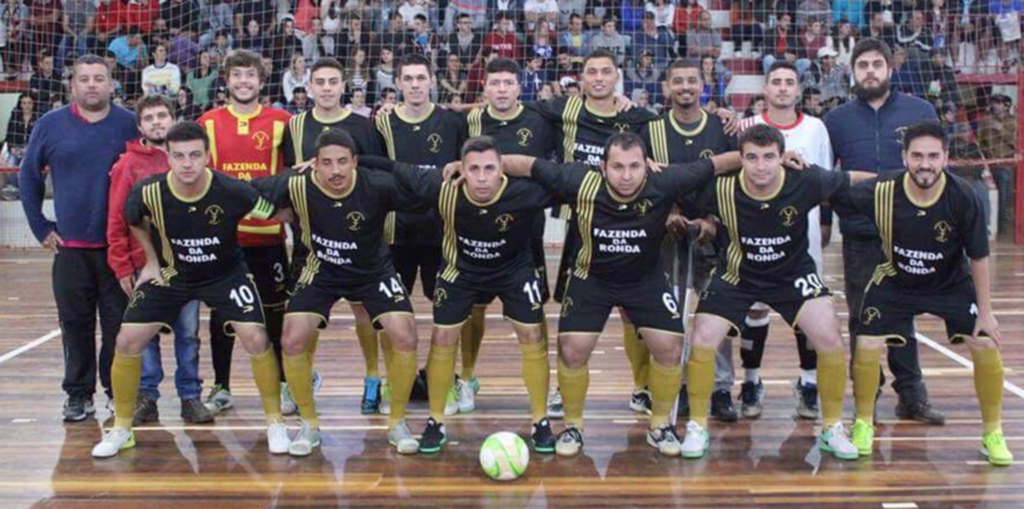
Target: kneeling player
931 225
339 212
191 214
764 211
620 213
487 225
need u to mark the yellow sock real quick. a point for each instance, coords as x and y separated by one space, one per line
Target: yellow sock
536 375
471 339
268 381
124 381
313 343
401 374
988 384
700 377
865 381
385 346
636 352
832 384
440 376
573 383
665 382
367 336
299 372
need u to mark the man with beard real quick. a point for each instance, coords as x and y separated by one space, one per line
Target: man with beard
246 142
867 135
79 144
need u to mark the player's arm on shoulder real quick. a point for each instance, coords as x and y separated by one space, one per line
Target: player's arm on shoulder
727 162
682 179
855 199
564 180
414 182
251 200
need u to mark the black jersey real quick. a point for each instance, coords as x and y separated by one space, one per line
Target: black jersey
304 128
584 132
767 238
429 143
927 245
668 142
195 238
483 241
338 235
526 132
620 240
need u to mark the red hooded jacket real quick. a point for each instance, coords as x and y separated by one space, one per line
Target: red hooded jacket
124 253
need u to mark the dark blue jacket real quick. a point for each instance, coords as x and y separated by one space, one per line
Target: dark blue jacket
80 156
864 139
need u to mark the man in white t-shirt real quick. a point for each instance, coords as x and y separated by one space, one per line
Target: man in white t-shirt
161 77
540 11
808 137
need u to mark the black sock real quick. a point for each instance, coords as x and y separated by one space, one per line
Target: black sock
221 348
808 357
754 337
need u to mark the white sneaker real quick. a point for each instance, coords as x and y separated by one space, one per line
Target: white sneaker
400 437
318 382
115 440
697 441
556 410
288 406
451 402
277 438
465 397
834 439
305 440
664 439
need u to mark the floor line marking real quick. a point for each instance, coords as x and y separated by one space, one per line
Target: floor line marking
26 347
963 361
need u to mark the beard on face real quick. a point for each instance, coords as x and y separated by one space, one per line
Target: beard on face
871 93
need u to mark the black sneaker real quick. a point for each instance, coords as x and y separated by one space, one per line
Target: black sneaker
434 437
542 437
721 406
683 407
806 400
193 411
569 442
920 411
145 410
78 409
751 395
419 387
640 401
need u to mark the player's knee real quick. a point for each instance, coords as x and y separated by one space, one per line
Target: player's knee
402 337
130 342
293 342
445 336
254 339
704 339
572 355
830 340
529 335
871 342
981 343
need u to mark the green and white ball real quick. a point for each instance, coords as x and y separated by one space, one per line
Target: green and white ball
504 456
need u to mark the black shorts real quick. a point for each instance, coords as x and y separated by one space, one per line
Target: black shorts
731 302
520 294
649 303
539 262
234 297
269 268
410 259
383 295
888 311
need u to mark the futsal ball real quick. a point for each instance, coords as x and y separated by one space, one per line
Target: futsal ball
504 456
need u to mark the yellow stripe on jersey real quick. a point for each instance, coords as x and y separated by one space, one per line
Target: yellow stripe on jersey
659 141
297 126
725 189
211 133
275 150
262 210
151 198
476 120
297 193
585 203
384 128
446 205
570 124
884 200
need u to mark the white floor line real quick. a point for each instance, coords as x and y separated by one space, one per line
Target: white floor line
24 348
963 361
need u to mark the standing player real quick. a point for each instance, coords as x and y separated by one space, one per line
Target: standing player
808 137
327 84
932 228
245 142
187 222
621 214
488 226
515 129
764 211
419 132
339 212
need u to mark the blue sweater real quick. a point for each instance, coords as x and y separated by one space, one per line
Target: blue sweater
80 156
864 139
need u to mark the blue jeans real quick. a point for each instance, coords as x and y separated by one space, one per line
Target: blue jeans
1003 175
186 353
81 47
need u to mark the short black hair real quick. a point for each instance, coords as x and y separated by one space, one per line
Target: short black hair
682 63
299 90
783 64
327 63
762 135
502 64
925 129
624 141
154 101
600 53
479 144
92 59
410 59
870 44
336 138
188 131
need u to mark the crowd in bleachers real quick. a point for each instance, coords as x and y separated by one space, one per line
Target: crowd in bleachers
175 47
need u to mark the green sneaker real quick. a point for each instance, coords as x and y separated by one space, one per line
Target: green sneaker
862 434
385 399
451 402
833 439
993 446
474 384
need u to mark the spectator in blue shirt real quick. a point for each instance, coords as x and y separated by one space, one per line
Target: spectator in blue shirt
657 42
128 48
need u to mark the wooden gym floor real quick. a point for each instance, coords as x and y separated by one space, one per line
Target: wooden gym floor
46 463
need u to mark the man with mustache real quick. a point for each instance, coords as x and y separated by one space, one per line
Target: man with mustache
867 135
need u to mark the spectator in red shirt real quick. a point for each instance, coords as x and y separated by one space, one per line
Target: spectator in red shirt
503 39
106 24
139 13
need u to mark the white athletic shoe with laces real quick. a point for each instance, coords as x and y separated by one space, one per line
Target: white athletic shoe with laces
834 439
400 437
114 441
277 438
696 443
